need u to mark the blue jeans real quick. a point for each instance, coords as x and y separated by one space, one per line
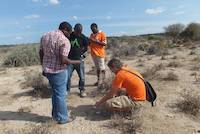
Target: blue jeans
80 69
58 83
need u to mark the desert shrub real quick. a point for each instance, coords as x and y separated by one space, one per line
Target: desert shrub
189 103
44 128
24 56
39 84
191 32
151 73
157 48
112 42
171 76
163 58
174 30
174 64
24 109
197 77
196 59
153 37
127 126
124 50
143 46
192 52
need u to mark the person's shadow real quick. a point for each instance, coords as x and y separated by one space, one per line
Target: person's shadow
23 116
90 113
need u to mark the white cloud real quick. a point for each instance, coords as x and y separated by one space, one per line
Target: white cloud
18 38
54 2
16 23
33 16
179 13
108 17
75 17
181 6
155 10
35 0
28 27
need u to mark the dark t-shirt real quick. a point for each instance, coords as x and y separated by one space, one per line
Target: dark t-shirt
79 44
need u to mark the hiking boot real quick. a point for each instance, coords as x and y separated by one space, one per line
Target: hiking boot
83 94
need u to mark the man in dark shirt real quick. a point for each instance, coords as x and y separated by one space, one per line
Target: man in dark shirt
79 44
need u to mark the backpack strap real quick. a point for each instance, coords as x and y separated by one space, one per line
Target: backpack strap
133 73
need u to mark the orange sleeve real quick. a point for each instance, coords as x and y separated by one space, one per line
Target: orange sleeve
103 38
117 82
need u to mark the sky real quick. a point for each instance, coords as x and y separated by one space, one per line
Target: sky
25 21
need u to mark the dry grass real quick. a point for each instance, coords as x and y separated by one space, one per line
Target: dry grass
190 103
152 72
24 109
197 77
196 59
174 57
158 48
44 128
39 84
163 58
196 67
171 76
127 123
124 51
174 64
192 52
22 56
3 71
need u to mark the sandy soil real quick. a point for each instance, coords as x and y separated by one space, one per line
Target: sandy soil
20 112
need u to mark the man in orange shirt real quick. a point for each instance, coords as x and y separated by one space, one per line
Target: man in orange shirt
97 45
124 80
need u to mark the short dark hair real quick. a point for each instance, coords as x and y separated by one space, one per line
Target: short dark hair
115 63
78 27
65 26
94 25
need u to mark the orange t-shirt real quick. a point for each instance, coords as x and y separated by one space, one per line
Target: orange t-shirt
134 86
96 49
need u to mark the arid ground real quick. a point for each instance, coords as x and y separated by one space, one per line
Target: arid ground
172 75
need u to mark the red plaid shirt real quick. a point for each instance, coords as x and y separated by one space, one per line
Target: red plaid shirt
53 44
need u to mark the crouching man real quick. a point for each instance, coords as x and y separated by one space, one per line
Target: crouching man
125 79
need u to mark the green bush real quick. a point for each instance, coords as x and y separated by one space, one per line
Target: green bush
174 31
192 32
25 56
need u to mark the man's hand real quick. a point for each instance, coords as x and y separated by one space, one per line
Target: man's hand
97 41
93 40
97 104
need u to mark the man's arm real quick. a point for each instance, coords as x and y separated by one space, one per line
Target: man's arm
109 95
41 54
97 42
66 60
85 44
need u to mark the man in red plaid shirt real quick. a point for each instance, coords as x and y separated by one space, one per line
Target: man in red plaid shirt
54 50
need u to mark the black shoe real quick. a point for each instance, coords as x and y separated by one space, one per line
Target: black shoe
83 94
96 84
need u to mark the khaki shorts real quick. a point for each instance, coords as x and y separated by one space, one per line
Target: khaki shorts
121 102
99 62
